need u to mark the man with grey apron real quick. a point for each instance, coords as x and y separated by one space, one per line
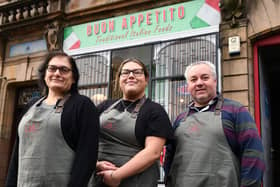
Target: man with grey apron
216 142
202 159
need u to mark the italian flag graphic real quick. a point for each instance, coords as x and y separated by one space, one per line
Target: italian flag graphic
208 15
71 40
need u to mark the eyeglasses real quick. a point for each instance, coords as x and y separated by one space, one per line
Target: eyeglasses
62 69
135 72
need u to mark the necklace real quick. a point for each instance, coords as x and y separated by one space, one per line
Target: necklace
124 105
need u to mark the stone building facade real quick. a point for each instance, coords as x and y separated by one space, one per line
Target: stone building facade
29 29
251 75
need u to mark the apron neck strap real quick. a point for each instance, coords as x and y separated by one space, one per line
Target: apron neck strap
138 106
219 105
186 113
60 103
217 109
136 109
112 106
39 102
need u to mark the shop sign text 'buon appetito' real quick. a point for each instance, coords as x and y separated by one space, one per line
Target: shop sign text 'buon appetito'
143 25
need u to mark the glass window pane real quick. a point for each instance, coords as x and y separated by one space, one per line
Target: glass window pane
27 93
171 58
94 69
97 94
94 75
172 95
169 64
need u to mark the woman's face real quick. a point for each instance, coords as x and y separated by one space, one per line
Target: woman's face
132 81
59 75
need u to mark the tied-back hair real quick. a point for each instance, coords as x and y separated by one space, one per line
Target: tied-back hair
208 63
135 60
43 67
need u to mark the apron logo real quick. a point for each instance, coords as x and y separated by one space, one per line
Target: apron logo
108 126
31 128
193 129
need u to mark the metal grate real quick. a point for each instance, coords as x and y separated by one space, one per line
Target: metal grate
170 60
94 75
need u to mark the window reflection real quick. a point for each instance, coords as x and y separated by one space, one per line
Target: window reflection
94 75
169 64
26 94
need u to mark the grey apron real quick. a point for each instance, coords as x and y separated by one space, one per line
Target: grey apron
45 159
203 157
118 144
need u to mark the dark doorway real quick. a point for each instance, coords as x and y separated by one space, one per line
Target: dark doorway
23 96
269 68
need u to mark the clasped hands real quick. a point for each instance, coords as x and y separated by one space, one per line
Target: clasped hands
106 170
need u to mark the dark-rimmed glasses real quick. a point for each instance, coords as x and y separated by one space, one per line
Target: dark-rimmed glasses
62 69
135 72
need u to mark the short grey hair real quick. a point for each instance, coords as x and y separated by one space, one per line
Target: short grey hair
209 64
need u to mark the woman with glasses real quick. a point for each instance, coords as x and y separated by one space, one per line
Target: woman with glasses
133 131
57 139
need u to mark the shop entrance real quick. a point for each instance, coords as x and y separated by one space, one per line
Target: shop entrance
269 69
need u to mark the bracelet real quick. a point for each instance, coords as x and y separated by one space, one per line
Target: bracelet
112 174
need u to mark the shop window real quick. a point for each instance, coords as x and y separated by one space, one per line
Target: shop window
27 48
169 87
94 76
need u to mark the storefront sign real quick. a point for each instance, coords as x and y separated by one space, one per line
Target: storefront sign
143 25
234 45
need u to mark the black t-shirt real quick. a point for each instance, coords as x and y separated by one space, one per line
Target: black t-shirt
152 119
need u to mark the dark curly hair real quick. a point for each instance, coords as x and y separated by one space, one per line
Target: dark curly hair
43 67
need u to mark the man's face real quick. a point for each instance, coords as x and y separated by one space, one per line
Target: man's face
201 84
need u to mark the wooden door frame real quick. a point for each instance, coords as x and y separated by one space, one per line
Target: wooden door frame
261 43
